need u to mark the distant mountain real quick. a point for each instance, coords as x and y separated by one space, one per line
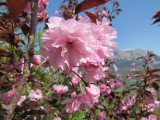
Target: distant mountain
125 58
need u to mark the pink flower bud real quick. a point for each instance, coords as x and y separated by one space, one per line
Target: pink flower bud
42 83
101 116
20 65
57 118
115 68
111 83
152 60
133 64
146 58
56 13
93 92
104 13
36 59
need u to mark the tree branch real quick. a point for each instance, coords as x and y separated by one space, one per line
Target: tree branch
27 58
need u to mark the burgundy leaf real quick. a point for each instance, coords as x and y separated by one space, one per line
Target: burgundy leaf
87 4
16 7
92 16
25 29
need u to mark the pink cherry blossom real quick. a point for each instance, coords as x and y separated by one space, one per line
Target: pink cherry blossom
20 64
152 60
36 59
80 101
105 89
57 118
42 83
104 13
60 89
9 67
111 83
75 80
151 117
146 58
42 5
80 17
56 13
67 38
127 102
133 70
133 64
35 95
93 92
21 100
101 116
119 83
8 96
115 68
152 102
81 39
105 35
95 74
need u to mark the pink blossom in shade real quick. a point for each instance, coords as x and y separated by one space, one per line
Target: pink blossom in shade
36 59
151 102
133 65
102 87
20 64
42 5
42 83
93 92
133 70
119 83
75 80
21 100
115 68
129 77
152 60
127 102
9 67
104 13
73 94
17 78
80 101
57 118
56 13
8 96
146 58
111 83
105 89
60 89
35 95
81 39
101 116
151 117
80 17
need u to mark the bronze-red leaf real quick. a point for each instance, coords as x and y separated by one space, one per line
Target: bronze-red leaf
87 4
92 16
16 7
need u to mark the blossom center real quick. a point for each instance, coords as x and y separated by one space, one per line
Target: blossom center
69 44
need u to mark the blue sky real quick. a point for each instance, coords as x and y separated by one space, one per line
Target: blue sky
134 24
